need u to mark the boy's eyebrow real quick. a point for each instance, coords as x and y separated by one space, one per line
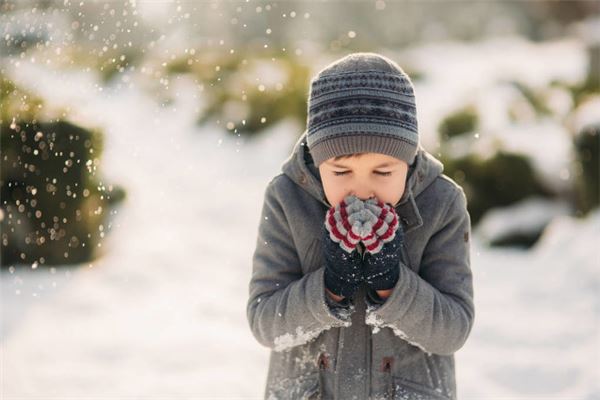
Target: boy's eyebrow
385 164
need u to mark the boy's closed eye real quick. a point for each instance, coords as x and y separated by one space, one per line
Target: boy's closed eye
382 173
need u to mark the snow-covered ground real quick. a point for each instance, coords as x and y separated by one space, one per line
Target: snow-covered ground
163 314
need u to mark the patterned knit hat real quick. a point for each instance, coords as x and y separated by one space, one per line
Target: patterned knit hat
363 102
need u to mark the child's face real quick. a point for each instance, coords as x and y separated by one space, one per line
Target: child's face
369 174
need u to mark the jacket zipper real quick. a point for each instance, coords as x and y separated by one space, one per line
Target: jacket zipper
369 362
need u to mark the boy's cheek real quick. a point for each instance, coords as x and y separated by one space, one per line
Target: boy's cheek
333 196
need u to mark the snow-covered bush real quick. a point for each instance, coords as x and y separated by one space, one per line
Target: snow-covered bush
54 207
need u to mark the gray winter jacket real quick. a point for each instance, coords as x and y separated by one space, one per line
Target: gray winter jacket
369 348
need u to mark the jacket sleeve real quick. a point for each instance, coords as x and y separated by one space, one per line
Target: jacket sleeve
285 307
434 310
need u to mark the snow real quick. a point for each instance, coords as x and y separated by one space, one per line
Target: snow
288 340
536 323
480 75
163 313
551 165
377 323
588 29
530 215
586 114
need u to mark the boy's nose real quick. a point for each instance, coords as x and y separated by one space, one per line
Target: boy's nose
363 196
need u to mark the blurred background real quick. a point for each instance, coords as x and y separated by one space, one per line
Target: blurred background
137 138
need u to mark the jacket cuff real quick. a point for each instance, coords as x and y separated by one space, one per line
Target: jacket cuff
392 308
373 300
341 310
324 308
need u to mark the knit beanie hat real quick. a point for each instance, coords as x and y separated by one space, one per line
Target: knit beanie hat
363 102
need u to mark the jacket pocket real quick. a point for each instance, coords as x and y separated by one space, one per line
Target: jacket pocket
409 390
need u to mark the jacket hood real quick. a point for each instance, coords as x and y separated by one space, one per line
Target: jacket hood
300 168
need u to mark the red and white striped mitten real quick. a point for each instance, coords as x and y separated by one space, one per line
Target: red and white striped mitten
385 226
345 222
353 220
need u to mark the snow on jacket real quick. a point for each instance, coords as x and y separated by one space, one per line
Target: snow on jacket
369 348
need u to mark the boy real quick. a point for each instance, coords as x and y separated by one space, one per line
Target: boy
344 322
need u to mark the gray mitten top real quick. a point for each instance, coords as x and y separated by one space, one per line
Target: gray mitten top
353 220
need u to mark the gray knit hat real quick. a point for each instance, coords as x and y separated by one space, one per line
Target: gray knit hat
363 102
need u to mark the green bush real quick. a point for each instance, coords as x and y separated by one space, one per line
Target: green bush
55 209
534 98
587 147
463 121
498 181
227 80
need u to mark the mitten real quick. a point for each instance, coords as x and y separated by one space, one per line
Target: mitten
344 228
381 262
